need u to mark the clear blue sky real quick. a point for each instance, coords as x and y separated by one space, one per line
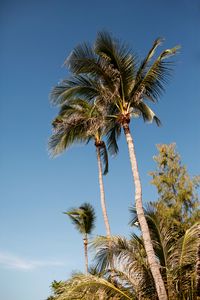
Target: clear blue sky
37 242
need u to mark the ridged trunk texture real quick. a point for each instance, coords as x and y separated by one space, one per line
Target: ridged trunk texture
153 264
85 242
102 194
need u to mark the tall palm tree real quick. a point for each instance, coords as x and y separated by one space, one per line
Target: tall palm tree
123 86
83 218
80 121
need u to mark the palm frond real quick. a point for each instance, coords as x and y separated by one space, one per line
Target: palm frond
112 136
147 59
83 218
147 113
65 137
151 84
185 249
83 60
81 56
91 287
104 157
119 56
79 86
169 52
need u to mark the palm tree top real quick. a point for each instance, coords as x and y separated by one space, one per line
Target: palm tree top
79 121
109 56
111 73
109 76
83 218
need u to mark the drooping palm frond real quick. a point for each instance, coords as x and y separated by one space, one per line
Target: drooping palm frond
129 263
83 218
77 122
83 60
104 157
79 86
90 287
147 113
64 137
112 136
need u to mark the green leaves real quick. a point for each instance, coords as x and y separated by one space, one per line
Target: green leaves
108 77
119 57
178 198
90 287
77 87
83 218
104 157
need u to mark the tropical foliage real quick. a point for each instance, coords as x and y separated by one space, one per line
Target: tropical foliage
176 248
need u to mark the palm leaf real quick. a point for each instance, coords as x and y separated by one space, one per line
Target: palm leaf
65 137
91 287
119 56
147 113
83 218
83 60
151 84
112 136
77 87
147 59
185 249
104 157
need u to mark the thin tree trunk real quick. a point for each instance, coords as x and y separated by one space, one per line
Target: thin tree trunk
154 267
102 194
85 242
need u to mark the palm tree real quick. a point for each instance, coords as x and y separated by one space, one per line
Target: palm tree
80 121
83 218
122 86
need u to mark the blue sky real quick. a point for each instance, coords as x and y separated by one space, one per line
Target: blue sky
38 244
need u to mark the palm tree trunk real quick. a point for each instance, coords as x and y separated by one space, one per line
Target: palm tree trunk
102 194
154 267
85 242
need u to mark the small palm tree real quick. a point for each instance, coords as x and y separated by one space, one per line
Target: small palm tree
83 218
